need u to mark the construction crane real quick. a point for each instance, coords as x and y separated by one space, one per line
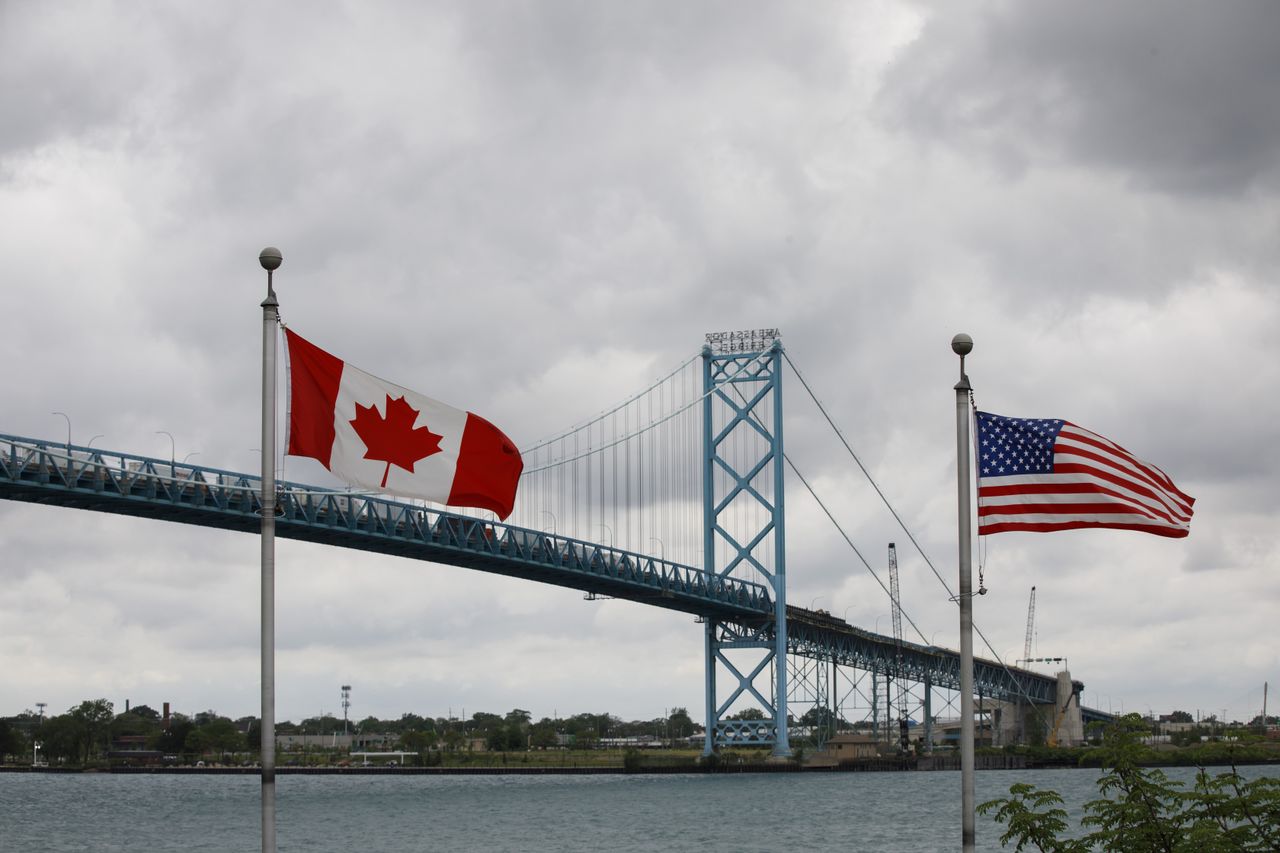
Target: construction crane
1031 622
1026 654
1059 713
895 599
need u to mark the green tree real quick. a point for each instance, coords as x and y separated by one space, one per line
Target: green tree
1143 810
482 723
506 737
11 741
197 741
1181 717
172 741
542 735
253 737
222 736
132 723
748 714
418 741
327 724
818 717
454 739
407 722
62 738
95 716
679 723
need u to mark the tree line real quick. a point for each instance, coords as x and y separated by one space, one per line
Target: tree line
87 731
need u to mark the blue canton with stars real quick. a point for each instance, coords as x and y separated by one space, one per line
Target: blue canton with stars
1015 446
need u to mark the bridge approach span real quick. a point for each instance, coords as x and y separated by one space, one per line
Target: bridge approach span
818 635
107 481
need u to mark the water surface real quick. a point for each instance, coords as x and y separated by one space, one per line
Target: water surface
889 812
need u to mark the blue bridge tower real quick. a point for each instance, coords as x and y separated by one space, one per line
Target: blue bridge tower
743 533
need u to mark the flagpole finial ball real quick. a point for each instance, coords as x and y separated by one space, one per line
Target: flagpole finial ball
962 344
270 258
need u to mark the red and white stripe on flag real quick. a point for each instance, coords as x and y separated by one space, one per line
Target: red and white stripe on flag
1044 474
377 435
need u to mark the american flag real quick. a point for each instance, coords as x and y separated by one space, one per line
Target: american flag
1043 474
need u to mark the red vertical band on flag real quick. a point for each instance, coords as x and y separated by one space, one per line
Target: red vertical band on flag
489 467
314 376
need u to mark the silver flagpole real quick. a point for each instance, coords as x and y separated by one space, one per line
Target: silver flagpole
962 345
270 258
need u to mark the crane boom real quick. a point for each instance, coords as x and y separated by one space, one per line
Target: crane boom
1031 621
895 596
895 599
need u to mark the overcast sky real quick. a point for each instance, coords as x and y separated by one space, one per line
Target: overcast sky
532 209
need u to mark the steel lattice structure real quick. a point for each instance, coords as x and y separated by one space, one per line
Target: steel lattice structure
744 526
122 483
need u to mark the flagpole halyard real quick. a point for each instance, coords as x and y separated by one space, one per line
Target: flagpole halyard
962 345
270 259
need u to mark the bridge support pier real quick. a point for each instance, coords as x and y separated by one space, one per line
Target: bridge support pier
928 716
709 745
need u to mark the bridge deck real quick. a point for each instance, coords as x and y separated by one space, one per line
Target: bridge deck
105 481
825 637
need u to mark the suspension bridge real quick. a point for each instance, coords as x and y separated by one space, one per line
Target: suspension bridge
694 465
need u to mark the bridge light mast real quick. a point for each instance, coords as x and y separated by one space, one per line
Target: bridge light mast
68 420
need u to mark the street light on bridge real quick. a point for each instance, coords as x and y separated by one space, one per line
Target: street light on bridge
68 419
173 448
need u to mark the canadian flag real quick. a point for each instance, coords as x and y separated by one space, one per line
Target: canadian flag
377 435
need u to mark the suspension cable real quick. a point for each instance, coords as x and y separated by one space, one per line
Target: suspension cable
602 415
641 430
898 519
866 473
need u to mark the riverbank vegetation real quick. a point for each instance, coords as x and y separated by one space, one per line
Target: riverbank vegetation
1140 809
91 734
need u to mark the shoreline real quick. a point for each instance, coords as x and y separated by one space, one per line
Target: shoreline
932 765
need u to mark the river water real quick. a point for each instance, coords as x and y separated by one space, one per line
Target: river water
881 812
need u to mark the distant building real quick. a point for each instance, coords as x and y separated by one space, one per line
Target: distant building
370 741
301 741
844 748
132 750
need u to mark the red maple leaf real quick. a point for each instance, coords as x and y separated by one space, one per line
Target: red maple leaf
394 439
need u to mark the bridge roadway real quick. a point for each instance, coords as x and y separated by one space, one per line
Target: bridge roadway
58 474
816 634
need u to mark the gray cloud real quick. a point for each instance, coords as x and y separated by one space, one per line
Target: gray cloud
1171 97
533 211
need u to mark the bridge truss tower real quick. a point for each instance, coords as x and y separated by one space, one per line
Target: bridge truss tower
743 533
